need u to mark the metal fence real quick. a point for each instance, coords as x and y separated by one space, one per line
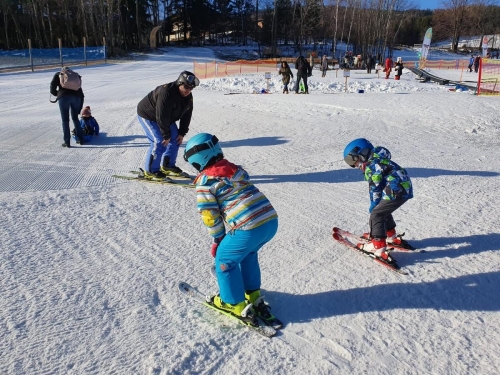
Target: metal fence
37 59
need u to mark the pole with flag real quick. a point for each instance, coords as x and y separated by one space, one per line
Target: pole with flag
426 45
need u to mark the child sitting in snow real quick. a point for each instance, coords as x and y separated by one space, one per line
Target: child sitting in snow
89 126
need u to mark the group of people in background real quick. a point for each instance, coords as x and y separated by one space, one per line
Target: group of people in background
474 62
304 70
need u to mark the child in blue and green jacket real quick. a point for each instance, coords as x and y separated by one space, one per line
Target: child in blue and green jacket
238 216
390 187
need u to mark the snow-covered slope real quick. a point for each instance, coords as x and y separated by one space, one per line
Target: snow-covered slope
89 265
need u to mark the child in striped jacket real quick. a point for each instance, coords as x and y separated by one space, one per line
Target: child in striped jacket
238 216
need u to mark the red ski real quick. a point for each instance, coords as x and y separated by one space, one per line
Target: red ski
404 246
390 263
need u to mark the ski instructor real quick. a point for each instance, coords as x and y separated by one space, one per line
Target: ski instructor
157 113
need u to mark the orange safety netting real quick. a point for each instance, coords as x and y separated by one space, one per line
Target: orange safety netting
444 64
221 69
489 77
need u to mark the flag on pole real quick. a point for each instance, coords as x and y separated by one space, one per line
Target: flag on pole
485 46
426 45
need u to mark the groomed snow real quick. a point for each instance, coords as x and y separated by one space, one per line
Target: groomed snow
89 265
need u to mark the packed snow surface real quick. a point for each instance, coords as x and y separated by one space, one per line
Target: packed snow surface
89 264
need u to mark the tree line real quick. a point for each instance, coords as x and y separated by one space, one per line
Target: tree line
367 26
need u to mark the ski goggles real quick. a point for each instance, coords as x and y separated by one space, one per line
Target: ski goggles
351 160
191 81
362 155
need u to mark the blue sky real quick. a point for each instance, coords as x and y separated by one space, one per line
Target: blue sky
427 4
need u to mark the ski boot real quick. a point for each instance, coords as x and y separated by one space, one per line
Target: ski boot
152 175
261 308
378 247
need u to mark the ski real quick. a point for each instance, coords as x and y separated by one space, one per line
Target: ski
404 246
166 181
182 175
261 309
391 265
249 321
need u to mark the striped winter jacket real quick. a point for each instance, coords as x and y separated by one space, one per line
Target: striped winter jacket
386 179
224 194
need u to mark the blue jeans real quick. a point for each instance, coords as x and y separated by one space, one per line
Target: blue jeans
156 151
73 104
236 263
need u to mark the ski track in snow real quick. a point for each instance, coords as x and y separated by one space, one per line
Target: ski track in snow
90 264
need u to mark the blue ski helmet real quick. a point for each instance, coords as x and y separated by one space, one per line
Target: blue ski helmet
202 151
359 149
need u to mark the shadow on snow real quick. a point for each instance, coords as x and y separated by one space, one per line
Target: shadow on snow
465 293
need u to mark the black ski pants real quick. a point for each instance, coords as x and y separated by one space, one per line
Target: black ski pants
381 219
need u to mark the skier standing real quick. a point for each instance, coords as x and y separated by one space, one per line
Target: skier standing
225 196
389 186
157 113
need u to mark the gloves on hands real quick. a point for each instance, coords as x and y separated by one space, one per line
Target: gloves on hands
215 245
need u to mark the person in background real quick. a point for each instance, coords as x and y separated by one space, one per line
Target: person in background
304 71
388 67
390 187
157 113
369 64
324 66
241 221
476 63
471 63
398 69
286 74
70 103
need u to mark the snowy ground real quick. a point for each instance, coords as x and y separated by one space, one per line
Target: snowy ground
89 264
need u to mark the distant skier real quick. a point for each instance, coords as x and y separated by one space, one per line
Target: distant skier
226 196
389 186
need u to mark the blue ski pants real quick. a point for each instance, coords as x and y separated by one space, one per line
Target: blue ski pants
157 152
237 264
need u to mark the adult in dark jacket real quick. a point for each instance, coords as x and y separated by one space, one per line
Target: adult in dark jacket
476 63
157 114
70 101
304 70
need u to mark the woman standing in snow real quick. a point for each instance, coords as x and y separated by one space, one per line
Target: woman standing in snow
286 72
